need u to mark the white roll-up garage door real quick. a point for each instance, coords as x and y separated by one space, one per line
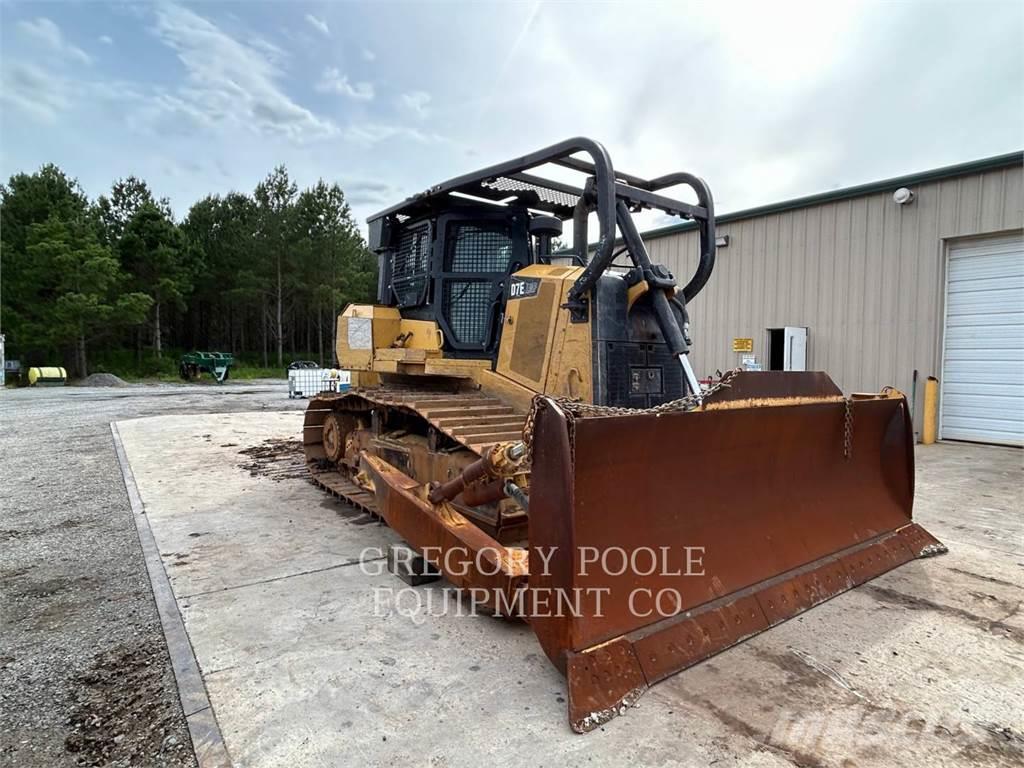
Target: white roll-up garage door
982 385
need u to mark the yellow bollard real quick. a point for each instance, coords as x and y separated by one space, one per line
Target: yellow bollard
931 411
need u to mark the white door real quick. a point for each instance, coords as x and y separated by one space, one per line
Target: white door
796 349
982 384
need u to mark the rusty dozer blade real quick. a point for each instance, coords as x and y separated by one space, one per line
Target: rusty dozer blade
658 538
682 533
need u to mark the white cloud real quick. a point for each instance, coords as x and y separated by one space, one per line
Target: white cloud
274 53
332 81
106 39
369 55
370 133
43 30
416 102
369 192
319 24
37 92
44 94
227 80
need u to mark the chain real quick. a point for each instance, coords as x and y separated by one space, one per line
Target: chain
528 431
848 428
575 409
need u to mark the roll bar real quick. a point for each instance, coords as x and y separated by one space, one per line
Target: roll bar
602 194
705 224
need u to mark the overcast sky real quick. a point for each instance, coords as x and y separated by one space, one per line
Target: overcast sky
765 100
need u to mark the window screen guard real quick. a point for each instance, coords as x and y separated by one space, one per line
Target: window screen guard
479 248
477 258
410 267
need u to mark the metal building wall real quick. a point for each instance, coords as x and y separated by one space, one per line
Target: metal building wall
864 275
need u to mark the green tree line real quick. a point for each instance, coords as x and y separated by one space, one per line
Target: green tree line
261 275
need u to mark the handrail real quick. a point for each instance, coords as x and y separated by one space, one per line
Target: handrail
602 192
706 264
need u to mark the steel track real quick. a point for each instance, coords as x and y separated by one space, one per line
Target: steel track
473 420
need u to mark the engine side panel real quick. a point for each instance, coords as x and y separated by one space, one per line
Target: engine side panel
540 349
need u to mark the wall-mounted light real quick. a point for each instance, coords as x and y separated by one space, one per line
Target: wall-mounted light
902 196
722 241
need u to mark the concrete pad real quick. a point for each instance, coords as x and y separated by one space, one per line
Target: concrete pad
306 661
221 531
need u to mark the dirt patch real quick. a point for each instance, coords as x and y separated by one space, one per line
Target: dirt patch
13 573
53 616
806 671
48 587
277 459
762 738
20 533
1002 744
982 577
915 603
121 718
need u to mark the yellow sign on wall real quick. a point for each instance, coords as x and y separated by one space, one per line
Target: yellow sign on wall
742 345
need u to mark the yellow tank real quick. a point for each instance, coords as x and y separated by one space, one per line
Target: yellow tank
47 377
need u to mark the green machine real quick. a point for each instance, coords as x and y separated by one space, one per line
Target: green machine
217 364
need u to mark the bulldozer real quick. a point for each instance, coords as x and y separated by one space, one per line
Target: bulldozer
527 419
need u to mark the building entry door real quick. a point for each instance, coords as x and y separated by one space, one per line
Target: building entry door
787 349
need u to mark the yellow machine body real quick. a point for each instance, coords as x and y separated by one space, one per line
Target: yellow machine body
541 351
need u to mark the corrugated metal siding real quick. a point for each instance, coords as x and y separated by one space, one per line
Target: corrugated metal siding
864 275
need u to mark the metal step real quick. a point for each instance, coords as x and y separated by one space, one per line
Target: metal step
483 410
515 425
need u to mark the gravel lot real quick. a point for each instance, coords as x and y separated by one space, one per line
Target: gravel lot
84 674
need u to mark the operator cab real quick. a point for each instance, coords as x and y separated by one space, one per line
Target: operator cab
453 267
447 254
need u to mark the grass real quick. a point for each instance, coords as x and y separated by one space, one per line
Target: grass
237 373
256 372
125 364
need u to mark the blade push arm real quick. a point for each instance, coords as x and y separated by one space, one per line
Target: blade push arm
640 193
660 282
